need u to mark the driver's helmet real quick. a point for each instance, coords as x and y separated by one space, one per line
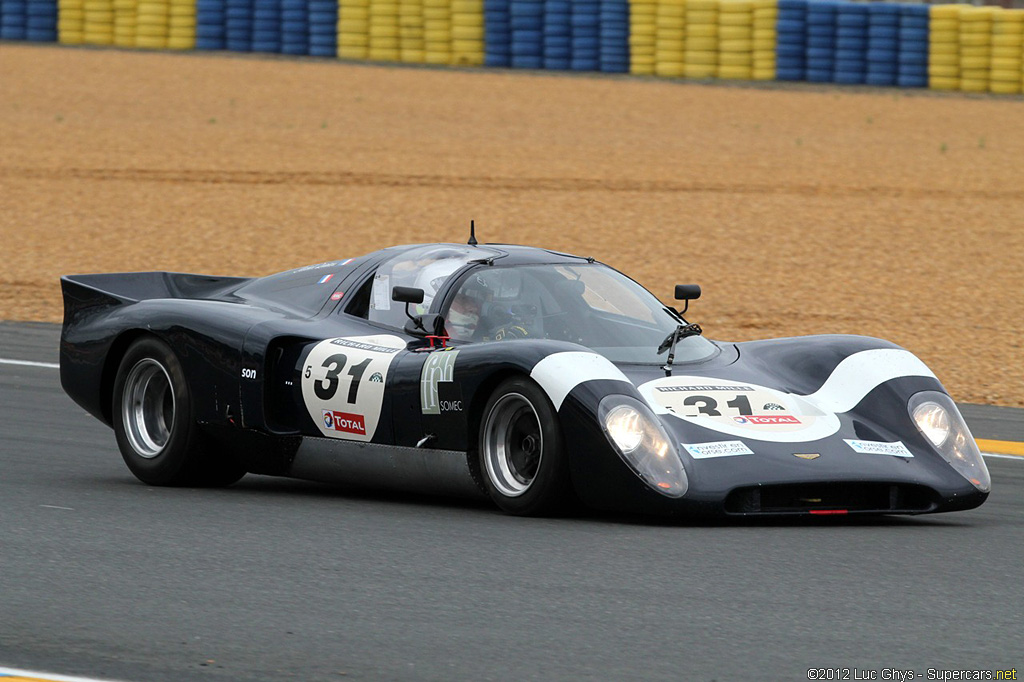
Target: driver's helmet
431 277
463 318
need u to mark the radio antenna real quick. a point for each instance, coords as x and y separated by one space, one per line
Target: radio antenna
472 233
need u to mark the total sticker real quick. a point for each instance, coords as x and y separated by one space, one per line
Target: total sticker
874 447
723 448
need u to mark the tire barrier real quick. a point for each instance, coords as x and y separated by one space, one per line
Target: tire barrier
819 55
766 17
912 61
557 35
586 38
975 48
942 47
497 33
791 49
1007 52
736 40
614 36
70 22
851 44
701 39
883 36
644 36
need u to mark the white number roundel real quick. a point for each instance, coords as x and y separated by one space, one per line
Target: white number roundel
740 408
343 384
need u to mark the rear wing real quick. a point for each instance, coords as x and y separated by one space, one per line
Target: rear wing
83 292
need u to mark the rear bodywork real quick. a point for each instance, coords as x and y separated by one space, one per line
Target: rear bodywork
286 374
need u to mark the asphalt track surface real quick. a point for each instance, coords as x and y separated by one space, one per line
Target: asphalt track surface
276 579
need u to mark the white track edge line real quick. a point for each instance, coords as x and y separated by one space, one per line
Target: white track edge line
50 676
29 363
1019 458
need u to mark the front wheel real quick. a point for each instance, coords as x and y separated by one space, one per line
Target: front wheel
154 426
522 457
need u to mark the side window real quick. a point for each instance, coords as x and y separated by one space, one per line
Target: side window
359 304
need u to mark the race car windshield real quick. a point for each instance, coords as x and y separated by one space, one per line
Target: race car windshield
426 268
591 305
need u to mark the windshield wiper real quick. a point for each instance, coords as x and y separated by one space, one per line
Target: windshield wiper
681 331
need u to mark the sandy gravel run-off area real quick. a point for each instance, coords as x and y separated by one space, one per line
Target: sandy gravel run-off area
798 210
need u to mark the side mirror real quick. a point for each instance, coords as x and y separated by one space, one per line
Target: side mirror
407 295
684 292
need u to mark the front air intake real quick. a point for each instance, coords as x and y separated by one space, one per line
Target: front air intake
805 498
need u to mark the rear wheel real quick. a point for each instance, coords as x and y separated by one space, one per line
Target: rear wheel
522 458
156 433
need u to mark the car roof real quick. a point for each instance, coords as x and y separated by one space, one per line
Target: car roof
509 254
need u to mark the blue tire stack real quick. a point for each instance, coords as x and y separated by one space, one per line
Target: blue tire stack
266 26
13 19
851 43
586 35
41 21
210 25
497 33
913 40
323 28
614 32
527 21
883 43
238 25
294 27
557 34
821 41
791 48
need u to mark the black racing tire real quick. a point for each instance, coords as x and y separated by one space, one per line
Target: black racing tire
155 426
521 452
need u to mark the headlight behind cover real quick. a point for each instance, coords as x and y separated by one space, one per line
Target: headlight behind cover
642 443
937 417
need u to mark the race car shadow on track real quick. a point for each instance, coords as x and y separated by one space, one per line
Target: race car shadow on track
274 490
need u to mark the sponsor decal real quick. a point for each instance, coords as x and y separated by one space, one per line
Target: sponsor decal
376 378
361 345
439 368
326 278
874 447
336 296
772 406
702 388
807 455
345 422
345 262
767 419
724 448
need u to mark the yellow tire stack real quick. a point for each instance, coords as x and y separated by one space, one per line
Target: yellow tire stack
410 30
152 22
670 38
736 39
98 28
124 22
701 39
353 29
71 22
468 32
975 48
944 47
765 39
384 31
181 25
1007 48
437 31
643 36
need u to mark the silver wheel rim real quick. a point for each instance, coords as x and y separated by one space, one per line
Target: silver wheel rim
147 408
513 445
